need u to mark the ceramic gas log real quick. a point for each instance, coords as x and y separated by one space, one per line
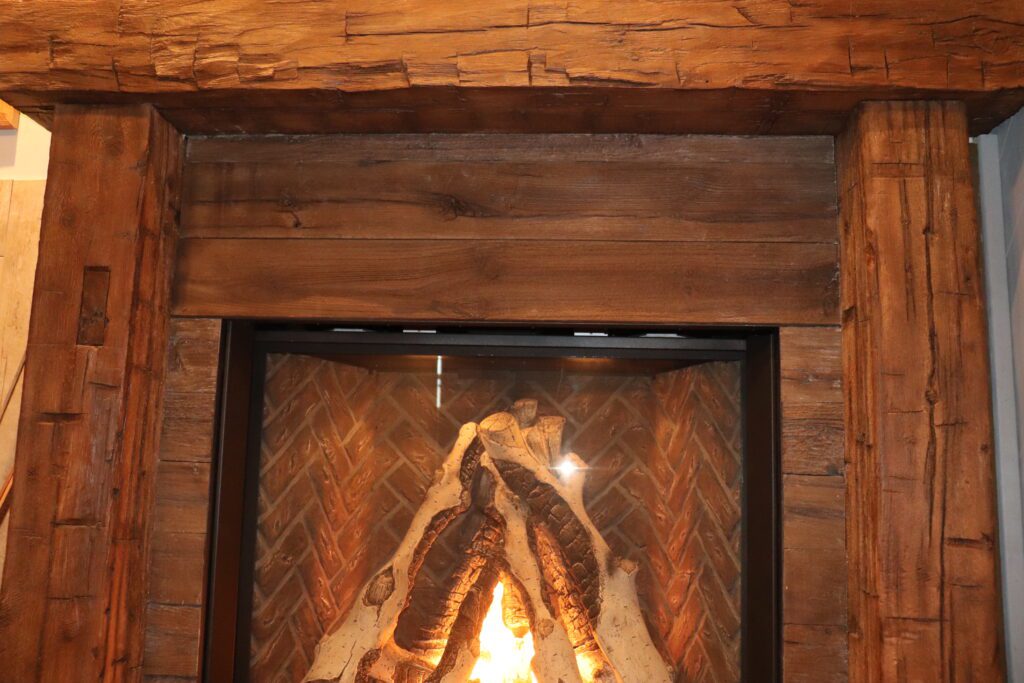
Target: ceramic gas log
523 531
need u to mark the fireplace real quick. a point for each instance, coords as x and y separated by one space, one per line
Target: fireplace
423 505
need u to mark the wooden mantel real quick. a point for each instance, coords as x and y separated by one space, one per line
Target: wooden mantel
722 66
155 220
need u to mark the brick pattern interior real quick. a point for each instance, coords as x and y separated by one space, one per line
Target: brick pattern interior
348 454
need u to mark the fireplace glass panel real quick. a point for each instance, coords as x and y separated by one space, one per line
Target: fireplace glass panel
351 450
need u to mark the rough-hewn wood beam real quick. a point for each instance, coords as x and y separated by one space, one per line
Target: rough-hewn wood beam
73 598
924 592
818 55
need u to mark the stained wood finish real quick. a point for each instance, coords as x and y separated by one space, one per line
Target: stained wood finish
814 610
178 523
487 227
924 595
550 187
782 58
507 281
72 595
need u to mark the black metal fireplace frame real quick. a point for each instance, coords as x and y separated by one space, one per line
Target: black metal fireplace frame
232 524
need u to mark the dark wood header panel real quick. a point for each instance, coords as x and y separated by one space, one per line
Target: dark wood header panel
576 229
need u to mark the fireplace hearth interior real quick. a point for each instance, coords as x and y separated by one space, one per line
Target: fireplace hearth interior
495 508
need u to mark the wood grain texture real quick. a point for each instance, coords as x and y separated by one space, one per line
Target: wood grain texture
814 563
812 401
924 590
178 522
72 604
569 187
802 53
482 227
506 281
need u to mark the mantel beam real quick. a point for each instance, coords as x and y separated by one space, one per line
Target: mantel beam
733 66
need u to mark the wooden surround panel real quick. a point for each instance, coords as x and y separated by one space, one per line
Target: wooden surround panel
352 228
814 549
561 229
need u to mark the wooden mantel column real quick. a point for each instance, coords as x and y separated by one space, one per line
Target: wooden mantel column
924 590
73 591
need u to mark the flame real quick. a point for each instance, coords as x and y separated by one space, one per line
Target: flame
503 657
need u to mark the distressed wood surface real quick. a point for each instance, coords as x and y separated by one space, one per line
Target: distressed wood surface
551 187
507 281
804 52
484 227
72 603
924 590
814 564
178 525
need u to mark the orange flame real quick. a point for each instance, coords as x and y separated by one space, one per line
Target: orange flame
503 657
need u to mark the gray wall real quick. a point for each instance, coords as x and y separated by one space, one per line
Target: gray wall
1001 198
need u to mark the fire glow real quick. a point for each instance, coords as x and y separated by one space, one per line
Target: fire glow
504 658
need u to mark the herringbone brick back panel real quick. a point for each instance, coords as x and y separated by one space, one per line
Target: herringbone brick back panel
348 454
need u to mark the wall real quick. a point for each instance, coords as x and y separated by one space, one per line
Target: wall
1001 182
24 154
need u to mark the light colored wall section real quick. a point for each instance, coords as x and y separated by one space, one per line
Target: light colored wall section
25 152
1001 194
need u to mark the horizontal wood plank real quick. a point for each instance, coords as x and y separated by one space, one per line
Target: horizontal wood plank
182 498
366 149
812 400
513 187
505 281
814 654
172 648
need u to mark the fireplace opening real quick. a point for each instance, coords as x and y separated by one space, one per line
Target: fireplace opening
424 506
